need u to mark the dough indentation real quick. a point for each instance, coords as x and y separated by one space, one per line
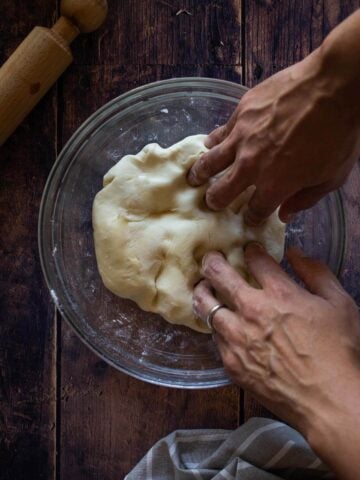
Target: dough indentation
151 230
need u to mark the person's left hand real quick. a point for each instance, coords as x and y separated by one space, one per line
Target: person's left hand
296 351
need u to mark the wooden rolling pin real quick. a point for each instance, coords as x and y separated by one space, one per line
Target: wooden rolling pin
41 58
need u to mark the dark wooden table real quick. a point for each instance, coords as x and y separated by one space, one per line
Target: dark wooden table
64 413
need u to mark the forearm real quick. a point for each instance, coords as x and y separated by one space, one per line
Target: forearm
340 54
335 436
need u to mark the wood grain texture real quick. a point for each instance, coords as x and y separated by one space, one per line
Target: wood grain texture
165 32
19 18
109 420
278 34
105 421
27 337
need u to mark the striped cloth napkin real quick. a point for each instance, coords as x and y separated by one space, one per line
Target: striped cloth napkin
261 449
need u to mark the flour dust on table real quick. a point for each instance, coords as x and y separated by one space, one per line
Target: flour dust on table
151 230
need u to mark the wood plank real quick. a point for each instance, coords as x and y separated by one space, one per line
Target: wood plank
18 19
109 420
27 334
165 32
278 34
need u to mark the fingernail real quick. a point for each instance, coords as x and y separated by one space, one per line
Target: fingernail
209 202
208 143
195 308
191 178
211 261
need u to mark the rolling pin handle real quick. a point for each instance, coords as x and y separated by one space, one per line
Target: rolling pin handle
66 30
41 58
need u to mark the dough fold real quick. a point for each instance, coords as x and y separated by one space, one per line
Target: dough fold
151 230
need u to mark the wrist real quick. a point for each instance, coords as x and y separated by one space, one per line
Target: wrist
333 430
339 57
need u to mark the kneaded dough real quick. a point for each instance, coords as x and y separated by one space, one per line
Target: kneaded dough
151 230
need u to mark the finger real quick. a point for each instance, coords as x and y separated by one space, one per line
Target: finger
262 266
219 134
203 299
216 136
225 280
225 189
224 321
316 275
262 204
229 327
302 200
211 163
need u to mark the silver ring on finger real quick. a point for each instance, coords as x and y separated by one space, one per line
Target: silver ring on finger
211 314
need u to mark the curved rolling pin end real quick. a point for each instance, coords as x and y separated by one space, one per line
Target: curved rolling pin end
87 15
41 58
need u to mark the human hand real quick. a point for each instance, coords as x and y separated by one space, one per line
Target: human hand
297 351
292 136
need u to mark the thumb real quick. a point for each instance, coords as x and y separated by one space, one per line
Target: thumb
316 275
262 204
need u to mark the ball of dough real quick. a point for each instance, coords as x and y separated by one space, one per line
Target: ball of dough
151 230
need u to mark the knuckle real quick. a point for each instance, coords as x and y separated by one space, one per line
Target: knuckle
233 290
281 289
249 311
224 149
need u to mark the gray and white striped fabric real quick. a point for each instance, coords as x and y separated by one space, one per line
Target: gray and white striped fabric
261 449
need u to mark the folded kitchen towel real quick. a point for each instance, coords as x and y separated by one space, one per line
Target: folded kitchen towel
261 449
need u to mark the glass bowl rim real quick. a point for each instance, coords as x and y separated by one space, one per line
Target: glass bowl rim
77 140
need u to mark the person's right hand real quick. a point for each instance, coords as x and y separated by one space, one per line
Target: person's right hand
295 137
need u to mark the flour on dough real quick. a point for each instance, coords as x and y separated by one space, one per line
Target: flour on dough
151 230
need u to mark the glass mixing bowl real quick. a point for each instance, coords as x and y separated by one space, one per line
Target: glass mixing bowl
138 343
